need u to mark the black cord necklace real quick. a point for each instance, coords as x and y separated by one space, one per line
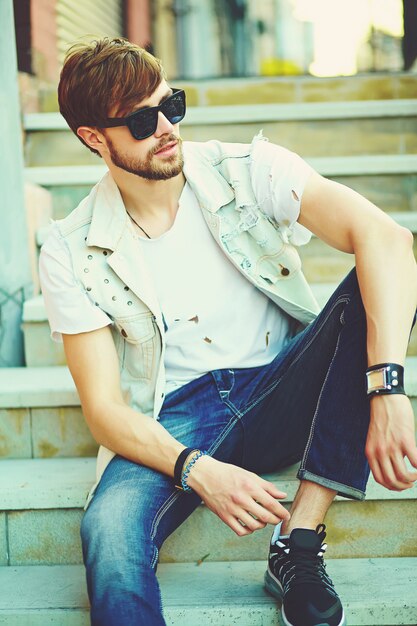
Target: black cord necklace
138 225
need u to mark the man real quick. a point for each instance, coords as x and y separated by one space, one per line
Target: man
196 345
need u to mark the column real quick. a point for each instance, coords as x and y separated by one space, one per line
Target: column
15 280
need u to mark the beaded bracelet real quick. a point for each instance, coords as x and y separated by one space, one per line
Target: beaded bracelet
187 469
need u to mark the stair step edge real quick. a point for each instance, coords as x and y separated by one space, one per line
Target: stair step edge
221 592
247 113
65 482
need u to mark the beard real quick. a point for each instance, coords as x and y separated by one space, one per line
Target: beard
149 168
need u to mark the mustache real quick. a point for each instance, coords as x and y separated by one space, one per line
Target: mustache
170 139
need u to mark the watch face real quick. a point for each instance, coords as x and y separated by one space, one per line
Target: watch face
377 379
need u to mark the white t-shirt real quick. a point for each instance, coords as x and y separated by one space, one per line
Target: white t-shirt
215 318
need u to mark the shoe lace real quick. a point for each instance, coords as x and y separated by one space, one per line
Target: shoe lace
302 565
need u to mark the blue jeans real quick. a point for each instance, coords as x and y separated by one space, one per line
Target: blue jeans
309 404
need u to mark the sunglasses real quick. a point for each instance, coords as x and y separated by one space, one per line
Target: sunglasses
143 123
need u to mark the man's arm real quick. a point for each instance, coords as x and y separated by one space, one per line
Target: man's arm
387 276
94 366
229 491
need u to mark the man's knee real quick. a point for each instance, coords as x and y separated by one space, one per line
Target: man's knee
116 528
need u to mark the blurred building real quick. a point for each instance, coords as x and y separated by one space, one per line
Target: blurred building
203 39
45 29
211 38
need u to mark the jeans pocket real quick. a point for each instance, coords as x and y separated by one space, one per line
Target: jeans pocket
224 381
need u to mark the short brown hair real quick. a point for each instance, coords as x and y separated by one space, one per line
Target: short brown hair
102 76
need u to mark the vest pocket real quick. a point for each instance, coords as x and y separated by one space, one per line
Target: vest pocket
138 333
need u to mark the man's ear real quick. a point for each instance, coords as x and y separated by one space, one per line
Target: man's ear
92 137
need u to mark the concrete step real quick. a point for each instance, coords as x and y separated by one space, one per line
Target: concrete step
390 192
41 504
241 113
314 129
40 415
40 350
285 89
374 592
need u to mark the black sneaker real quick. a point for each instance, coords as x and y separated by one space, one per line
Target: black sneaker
297 576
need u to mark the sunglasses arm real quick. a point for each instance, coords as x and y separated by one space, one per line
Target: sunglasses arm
114 121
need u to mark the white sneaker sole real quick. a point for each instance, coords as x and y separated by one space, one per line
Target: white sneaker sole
273 586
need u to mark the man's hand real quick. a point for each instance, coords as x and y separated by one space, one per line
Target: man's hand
391 437
243 500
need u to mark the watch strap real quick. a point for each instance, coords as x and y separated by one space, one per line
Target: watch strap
385 379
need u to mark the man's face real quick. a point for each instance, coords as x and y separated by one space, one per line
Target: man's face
158 157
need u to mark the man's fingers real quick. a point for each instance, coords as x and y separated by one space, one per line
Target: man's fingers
401 472
390 472
273 490
237 527
269 508
250 522
264 515
376 470
411 453
389 478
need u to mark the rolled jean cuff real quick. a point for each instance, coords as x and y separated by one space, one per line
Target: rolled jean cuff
342 490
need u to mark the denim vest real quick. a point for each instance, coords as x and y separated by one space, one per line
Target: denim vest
110 268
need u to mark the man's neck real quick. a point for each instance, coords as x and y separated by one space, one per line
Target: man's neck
149 200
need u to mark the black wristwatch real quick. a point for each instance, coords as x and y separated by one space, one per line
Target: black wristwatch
384 379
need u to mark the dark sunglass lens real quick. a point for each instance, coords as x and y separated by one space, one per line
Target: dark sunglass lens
174 108
143 124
